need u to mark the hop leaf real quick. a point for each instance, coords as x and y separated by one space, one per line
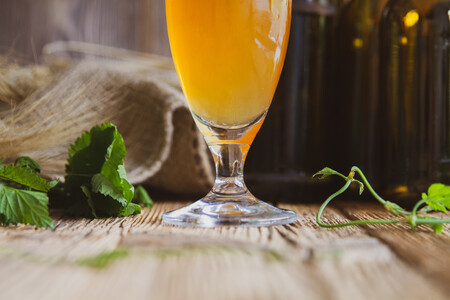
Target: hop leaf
438 197
26 177
26 207
18 203
96 164
361 186
27 163
325 172
141 197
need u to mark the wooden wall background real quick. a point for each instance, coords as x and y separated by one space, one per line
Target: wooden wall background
27 25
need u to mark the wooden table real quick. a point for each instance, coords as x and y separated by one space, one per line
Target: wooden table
138 258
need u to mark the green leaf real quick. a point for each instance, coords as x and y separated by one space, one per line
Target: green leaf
361 186
96 163
436 205
106 206
109 200
114 170
438 197
325 172
26 207
3 220
26 177
102 185
141 197
28 163
437 190
81 143
88 194
87 154
130 209
437 227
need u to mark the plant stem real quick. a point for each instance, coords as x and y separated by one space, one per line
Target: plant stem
321 209
351 223
413 218
369 187
431 221
416 207
372 191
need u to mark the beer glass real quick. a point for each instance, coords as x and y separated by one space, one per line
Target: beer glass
228 55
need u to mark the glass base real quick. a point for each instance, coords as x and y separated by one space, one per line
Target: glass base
229 210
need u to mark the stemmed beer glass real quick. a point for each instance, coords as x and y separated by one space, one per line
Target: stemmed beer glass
228 55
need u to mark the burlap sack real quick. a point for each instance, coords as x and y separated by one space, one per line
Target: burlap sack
165 150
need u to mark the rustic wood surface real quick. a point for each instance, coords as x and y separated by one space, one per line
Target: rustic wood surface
27 25
298 261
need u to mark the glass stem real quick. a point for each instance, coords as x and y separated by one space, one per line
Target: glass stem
229 159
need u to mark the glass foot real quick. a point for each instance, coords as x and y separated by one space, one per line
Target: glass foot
242 210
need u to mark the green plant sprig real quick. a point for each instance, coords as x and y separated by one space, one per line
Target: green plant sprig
23 194
437 199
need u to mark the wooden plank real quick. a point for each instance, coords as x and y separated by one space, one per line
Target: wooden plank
422 249
165 262
153 34
27 25
364 267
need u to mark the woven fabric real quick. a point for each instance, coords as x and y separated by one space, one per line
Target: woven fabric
165 149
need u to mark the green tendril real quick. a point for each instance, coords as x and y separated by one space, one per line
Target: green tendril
414 217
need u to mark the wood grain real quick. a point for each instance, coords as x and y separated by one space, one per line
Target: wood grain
421 248
27 25
298 261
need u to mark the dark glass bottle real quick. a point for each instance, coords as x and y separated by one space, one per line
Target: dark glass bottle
306 87
403 106
292 143
356 103
438 60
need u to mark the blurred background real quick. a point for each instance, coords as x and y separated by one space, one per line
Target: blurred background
366 83
27 25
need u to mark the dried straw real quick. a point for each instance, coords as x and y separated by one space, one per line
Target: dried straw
46 107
